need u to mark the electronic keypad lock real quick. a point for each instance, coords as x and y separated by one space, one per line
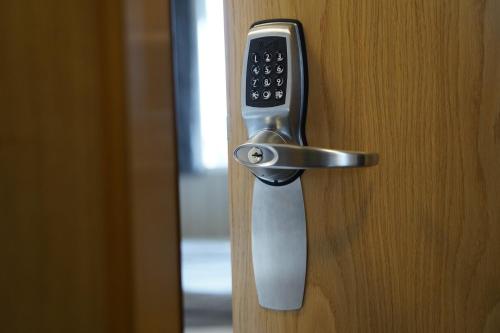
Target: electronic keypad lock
273 106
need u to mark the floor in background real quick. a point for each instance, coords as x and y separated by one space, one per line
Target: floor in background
208 330
206 266
206 284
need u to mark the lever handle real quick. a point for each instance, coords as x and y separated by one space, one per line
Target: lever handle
293 157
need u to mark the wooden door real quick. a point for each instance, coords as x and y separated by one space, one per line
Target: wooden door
413 244
88 182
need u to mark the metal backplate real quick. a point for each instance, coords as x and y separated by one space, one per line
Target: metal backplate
286 119
279 244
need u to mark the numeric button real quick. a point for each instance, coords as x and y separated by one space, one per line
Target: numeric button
255 58
268 57
267 82
255 70
279 56
279 81
266 94
254 82
280 69
267 69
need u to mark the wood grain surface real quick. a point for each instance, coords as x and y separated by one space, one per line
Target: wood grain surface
153 168
413 244
88 196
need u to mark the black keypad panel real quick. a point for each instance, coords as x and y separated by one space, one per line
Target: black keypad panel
266 72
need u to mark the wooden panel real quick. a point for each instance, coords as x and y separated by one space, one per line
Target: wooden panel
70 192
153 168
411 245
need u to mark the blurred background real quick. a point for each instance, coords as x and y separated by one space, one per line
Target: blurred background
113 167
200 100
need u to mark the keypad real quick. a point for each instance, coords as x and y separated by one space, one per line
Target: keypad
266 72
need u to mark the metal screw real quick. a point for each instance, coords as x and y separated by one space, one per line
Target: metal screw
255 155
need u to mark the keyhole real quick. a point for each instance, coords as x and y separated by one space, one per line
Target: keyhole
255 155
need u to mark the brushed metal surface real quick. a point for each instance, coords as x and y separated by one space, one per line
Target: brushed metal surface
279 244
284 119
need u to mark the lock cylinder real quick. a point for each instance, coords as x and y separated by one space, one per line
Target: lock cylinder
255 157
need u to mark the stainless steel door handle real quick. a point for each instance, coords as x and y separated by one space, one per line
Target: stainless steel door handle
273 106
293 157
275 161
